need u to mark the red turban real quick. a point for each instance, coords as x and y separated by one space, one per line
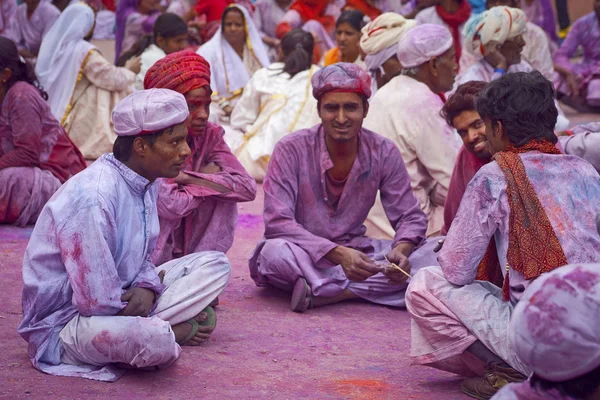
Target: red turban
182 71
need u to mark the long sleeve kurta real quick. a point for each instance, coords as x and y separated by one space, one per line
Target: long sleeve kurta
101 87
92 242
195 218
571 202
407 112
36 156
585 32
29 32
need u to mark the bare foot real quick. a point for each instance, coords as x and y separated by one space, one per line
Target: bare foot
183 329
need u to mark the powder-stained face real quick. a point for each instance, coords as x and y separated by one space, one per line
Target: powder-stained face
166 156
471 129
234 29
347 39
342 115
512 49
198 101
447 68
494 137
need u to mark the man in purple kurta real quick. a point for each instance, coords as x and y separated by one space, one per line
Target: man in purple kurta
92 298
320 185
34 19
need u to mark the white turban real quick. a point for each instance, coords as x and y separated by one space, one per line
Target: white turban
555 327
149 111
496 24
422 43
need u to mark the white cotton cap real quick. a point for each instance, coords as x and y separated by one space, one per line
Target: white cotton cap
422 43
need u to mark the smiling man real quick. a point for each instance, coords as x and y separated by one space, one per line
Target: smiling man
460 113
406 110
92 297
319 187
197 208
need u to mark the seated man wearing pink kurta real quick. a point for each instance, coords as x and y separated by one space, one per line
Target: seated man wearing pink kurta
197 209
529 211
319 187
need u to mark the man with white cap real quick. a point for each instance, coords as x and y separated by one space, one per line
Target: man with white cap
92 299
555 331
319 187
379 42
528 211
406 110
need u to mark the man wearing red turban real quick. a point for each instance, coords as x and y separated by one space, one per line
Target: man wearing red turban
197 209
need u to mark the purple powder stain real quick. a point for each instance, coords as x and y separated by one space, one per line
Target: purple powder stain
586 280
10 233
250 221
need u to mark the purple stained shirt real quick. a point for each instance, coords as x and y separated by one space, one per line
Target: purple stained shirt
524 391
569 190
91 243
28 33
267 15
296 204
585 32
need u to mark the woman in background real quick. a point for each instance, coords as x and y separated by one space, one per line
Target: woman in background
347 38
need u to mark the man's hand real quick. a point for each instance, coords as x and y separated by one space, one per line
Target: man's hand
399 256
139 302
183 178
210 168
356 265
573 87
134 64
493 55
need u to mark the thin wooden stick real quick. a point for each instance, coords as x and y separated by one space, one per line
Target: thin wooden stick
397 267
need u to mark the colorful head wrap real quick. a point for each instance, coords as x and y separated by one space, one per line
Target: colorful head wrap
555 329
148 111
181 71
341 77
422 43
380 37
496 24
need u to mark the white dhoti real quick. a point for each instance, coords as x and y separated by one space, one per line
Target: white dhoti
192 283
447 319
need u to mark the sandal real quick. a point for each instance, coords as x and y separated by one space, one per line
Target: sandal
299 295
211 321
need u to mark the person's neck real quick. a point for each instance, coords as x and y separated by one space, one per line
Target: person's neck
341 150
3 92
136 167
422 77
350 58
450 6
239 49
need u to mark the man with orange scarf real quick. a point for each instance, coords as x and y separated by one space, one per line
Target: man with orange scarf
315 16
452 14
536 206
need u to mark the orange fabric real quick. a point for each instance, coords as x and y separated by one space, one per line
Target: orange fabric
365 7
310 9
332 56
533 247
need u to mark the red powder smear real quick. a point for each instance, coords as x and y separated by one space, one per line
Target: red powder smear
584 279
359 388
74 253
103 342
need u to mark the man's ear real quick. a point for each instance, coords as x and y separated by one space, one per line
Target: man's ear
140 147
5 75
366 110
433 66
160 42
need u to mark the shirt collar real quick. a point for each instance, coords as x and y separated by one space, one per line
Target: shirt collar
138 184
361 158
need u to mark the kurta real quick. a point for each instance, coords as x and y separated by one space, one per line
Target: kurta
301 226
194 218
585 32
28 33
8 11
36 155
151 55
428 145
272 106
441 300
101 87
466 166
137 25
93 242
584 143
524 391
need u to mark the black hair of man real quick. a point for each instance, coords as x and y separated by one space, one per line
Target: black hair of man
524 103
169 25
123 145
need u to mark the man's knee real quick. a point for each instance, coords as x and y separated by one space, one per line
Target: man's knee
150 342
419 284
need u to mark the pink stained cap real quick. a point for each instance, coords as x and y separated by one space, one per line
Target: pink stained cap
422 43
149 111
341 77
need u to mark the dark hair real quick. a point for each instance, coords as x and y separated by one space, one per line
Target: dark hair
169 25
354 18
462 100
123 145
21 69
297 47
137 49
227 11
578 388
524 103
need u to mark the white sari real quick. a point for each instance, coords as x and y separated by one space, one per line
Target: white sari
61 57
229 73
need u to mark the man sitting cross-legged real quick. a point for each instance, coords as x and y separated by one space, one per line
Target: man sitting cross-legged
91 296
319 187
536 205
